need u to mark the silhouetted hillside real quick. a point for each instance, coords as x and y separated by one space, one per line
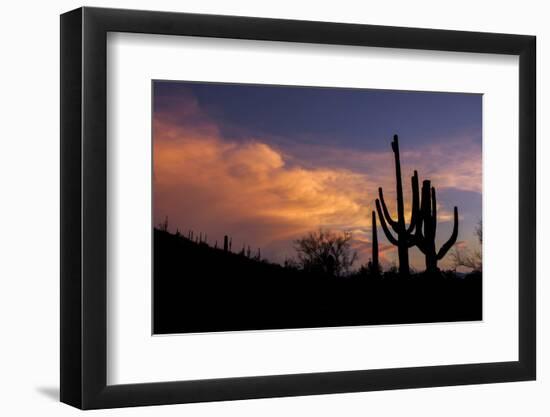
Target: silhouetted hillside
201 289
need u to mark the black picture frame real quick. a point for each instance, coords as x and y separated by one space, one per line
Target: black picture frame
84 207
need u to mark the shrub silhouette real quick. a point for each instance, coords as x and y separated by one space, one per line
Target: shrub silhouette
472 260
426 229
325 252
405 235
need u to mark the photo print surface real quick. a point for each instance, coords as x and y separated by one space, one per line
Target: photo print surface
287 207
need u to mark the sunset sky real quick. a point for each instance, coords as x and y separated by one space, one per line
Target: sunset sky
267 164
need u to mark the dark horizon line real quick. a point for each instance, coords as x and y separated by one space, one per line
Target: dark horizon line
253 256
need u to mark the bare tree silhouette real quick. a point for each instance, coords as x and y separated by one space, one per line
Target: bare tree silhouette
326 252
473 260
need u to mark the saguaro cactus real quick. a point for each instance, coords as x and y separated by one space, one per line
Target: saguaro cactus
426 228
405 234
375 265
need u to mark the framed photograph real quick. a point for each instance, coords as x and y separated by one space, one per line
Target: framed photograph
257 208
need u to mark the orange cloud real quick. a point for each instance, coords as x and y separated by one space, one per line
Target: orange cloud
247 190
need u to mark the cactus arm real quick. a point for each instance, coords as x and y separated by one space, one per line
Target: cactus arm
395 144
424 228
412 241
394 225
418 236
452 240
399 186
385 228
374 242
415 204
434 211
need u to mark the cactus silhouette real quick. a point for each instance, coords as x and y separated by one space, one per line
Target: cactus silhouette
405 235
426 228
375 265
164 225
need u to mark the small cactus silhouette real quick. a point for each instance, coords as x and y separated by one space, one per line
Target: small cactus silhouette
164 225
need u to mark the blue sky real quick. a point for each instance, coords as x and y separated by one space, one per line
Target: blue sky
359 118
